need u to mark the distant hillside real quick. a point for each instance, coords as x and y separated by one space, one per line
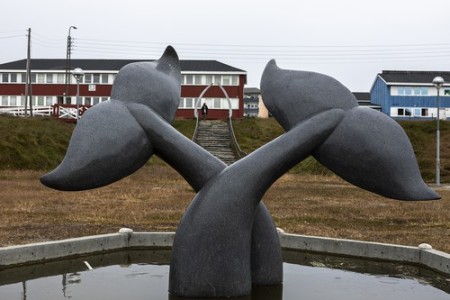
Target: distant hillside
41 143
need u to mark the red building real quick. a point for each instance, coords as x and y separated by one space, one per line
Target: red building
48 86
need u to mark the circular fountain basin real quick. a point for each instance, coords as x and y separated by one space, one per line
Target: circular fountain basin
143 274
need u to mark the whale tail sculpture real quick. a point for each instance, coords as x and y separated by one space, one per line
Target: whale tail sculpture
367 149
108 144
226 241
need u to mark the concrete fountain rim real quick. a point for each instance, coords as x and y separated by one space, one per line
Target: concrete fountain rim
126 239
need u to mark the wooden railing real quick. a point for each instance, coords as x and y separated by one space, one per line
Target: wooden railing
21 112
65 112
68 112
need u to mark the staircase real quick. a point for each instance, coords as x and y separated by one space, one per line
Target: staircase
215 137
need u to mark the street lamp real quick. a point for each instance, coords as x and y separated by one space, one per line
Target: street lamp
68 55
438 83
78 73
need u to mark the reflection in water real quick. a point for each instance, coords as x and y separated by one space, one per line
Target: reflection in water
273 292
24 290
135 279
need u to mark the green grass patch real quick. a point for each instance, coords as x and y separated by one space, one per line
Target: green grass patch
41 143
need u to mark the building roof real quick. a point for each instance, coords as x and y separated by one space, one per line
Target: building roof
361 96
251 90
115 65
425 77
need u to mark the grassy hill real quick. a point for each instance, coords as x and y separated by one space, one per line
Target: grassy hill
40 143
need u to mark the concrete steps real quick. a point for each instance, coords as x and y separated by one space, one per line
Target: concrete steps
215 137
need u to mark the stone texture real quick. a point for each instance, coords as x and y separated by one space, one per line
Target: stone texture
226 240
368 149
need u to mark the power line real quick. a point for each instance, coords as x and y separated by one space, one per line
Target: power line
242 51
10 37
250 52
98 41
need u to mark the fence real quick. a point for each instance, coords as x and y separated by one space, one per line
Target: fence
65 112
21 112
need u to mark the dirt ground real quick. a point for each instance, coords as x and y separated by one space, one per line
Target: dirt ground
155 197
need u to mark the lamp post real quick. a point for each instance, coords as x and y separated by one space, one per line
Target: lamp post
78 74
68 57
438 82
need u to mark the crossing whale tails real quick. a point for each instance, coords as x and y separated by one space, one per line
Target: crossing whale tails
226 240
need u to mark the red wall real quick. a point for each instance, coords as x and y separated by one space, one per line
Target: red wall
103 90
55 90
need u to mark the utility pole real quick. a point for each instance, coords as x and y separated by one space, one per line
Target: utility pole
28 77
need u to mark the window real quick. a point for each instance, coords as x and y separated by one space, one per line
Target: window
446 92
87 101
4 100
189 79
5 77
209 79
23 77
421 112
104 78
40 78
189 103
13 100
88 78
412 91
13 77
213 103
96 100
103 99
96 78
48 101
40 99
226 80
60 78
408 91
198 79
33 77
218 79
403 112
217 103
49 78
186 103
234 80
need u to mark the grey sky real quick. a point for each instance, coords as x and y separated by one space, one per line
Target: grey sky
351 40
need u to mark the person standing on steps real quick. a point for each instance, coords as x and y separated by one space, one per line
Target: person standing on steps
204 111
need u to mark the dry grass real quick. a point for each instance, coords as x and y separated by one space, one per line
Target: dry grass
155 197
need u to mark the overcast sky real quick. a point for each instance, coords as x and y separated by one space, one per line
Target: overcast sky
351 40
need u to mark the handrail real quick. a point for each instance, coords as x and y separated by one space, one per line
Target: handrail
194 137
234 143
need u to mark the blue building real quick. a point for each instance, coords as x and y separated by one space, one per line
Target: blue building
411 94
